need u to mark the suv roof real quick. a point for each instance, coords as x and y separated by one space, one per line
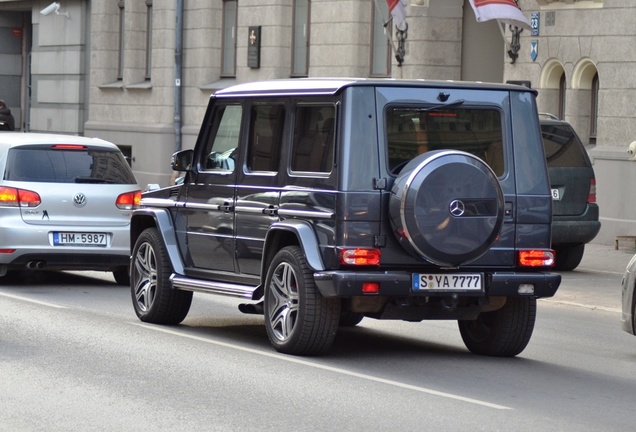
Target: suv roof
331 86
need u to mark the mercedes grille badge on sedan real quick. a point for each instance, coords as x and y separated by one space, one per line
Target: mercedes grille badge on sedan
79 200
457 208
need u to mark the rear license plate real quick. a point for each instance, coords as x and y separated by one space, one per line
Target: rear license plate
79 239
556 196
447 282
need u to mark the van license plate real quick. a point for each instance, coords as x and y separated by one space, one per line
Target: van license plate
79 239
556 196
447 282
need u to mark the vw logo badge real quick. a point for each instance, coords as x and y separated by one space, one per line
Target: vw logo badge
79 200
457 208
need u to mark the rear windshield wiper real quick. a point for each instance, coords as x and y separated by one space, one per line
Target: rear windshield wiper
443 106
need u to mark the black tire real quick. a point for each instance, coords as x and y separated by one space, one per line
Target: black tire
298 319
122 276
154 300
446 207
568 257
350 319
501 333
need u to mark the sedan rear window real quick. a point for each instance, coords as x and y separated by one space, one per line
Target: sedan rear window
88 165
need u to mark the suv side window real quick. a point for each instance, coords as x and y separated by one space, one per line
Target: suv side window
413 130
222 148
314 133
266 132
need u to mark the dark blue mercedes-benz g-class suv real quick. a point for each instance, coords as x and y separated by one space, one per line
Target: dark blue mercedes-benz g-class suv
324 201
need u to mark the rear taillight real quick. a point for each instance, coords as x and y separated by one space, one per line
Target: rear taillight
128 200
591 198
536 258
12 197
360 257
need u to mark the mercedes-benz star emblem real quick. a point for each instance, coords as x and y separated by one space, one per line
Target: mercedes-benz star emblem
457 208
79 200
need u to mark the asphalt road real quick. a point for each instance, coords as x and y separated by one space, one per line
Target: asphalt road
73 357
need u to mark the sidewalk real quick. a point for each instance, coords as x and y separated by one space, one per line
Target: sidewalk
596 282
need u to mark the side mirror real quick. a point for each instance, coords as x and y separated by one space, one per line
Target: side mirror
182 160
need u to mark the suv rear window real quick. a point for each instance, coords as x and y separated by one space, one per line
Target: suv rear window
562 146
88 165
414 130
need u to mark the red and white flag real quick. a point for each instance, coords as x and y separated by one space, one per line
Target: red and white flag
505 11
398 12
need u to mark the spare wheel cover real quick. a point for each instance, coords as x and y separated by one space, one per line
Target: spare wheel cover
447 206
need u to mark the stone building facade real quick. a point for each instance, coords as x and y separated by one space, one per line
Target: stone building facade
140 72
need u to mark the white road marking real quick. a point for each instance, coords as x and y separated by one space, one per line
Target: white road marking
582 305
26 299
297 360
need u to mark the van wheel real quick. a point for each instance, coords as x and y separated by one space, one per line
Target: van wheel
153 298
121 275
568 257
501 333
298 319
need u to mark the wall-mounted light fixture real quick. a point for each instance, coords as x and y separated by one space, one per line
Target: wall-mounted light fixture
54 7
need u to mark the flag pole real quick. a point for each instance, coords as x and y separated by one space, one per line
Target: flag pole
386 22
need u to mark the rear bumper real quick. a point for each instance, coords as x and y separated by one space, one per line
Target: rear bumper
580 229
349 284
21 244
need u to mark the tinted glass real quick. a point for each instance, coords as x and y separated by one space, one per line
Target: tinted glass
562 146
313 139
263 152
221 150
413 130
89 165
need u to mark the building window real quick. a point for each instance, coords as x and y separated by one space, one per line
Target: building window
148 38
300 43
594 110
228 60
380 45
120 48
562 97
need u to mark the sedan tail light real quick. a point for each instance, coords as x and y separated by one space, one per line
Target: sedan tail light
128 200
13 197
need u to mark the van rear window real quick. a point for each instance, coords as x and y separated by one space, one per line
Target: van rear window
414 130
44 164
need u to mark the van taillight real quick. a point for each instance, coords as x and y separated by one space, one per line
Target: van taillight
129 200
536 257
360 256
591 198
13 197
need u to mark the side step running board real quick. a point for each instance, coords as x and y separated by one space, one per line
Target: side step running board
220 288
